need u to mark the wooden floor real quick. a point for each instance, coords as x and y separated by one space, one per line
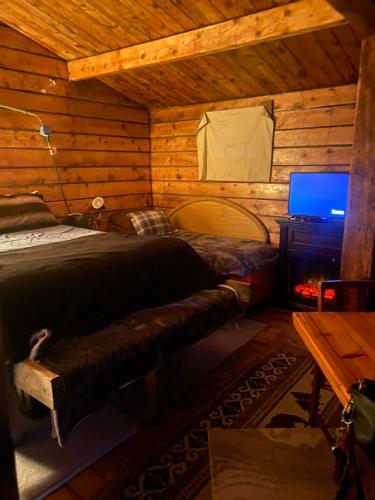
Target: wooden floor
96 479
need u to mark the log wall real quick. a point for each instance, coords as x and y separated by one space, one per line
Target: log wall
313 132
101 137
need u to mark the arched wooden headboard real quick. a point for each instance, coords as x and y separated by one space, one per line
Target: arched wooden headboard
219 217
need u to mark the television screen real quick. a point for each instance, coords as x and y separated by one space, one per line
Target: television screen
318 194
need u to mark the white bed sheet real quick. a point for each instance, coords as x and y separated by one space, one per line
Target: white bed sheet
41 236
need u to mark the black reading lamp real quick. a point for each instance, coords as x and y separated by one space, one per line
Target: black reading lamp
76 219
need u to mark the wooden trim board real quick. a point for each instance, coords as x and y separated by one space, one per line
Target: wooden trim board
39 382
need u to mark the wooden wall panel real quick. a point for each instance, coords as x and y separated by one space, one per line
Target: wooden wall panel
101 137
313 132
358 259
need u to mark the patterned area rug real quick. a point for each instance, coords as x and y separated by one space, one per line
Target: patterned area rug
274 392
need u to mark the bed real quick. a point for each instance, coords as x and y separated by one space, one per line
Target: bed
232 240
100 309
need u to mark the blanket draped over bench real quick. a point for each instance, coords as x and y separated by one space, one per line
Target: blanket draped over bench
76 287
93 367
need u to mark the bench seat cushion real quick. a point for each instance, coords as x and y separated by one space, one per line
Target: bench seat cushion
93 367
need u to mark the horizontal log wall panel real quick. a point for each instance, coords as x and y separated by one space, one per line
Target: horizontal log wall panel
40 158
24 138
283 138
32 63
76 107
76 191
308 99
41 84
26 176
74 124
112 204
281 174
101 138
313 133
226 189
12 39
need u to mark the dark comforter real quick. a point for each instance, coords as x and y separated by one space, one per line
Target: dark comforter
76 287
234 257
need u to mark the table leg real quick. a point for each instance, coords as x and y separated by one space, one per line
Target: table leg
316 385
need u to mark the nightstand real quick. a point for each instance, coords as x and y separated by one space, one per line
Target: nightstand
80 220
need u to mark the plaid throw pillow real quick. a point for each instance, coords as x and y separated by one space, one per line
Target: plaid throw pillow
151 222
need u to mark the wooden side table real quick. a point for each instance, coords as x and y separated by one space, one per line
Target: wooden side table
342 343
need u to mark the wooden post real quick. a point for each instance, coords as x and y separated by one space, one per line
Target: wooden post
358 245
8 482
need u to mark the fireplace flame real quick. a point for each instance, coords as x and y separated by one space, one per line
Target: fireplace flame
311 291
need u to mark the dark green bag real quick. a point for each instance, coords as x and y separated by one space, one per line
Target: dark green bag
358 436
363 415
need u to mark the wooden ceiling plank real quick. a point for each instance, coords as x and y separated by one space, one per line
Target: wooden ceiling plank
267 4
159 81
281 22
228 65
349 44
293 64
47 16
15 40
156 84
113 16
244 7
126 84
252 63
171 81
30 25
282 76
228 9
333 76
189 77
205 83
328 40
359 13
76 22
201 12
152 26
212 66
155 17
301 51
254 80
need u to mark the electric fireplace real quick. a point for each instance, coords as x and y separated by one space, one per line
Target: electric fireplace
305 275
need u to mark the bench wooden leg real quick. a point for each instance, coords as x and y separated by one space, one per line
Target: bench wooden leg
153 397
30 406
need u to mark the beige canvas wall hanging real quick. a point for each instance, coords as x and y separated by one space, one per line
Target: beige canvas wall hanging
235 145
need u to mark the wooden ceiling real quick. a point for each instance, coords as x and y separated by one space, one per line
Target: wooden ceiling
79 28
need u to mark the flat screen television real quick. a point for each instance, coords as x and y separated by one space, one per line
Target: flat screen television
320 195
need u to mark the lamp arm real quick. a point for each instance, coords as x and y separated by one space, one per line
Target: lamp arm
46 133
